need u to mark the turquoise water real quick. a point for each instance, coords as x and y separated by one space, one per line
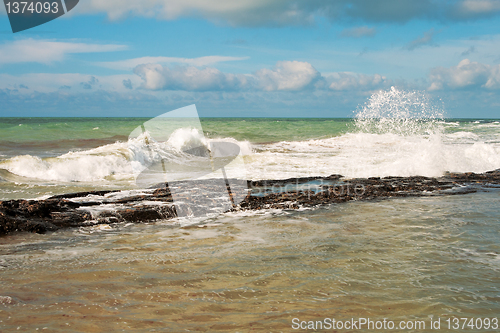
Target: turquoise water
257 130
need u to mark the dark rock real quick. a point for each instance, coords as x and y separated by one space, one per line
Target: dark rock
78 209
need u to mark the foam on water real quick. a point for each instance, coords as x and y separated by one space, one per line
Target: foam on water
86 168
103 163
117 161
400 112
397 133
408 133
187 138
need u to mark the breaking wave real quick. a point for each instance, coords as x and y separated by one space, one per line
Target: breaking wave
117 161
396 133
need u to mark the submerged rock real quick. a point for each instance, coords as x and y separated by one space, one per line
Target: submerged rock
99 207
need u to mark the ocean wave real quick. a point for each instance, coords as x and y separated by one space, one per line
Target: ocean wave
396 133
83 168
374 155
489 125
116 161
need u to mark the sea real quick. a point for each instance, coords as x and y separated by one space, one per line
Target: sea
414 264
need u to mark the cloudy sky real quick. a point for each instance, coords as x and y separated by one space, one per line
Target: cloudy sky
252 58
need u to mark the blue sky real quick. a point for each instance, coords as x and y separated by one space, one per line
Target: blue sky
252 58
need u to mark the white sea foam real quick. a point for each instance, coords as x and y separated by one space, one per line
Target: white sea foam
187 138
81 167
398 133
367 155
117 161
463 135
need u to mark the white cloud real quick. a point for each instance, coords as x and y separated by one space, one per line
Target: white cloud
189 78
157 77
359 32
287 75
355 81
130 64
466 75
46 51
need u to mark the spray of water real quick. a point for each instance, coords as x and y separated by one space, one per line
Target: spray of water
399 112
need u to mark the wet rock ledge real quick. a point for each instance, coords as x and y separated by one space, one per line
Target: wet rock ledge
103 207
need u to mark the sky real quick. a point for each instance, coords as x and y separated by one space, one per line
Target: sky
251 58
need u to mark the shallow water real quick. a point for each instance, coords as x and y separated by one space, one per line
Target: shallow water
400 259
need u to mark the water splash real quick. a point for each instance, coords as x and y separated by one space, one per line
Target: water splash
399 112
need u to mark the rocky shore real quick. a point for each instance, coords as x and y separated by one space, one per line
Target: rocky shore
104 207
